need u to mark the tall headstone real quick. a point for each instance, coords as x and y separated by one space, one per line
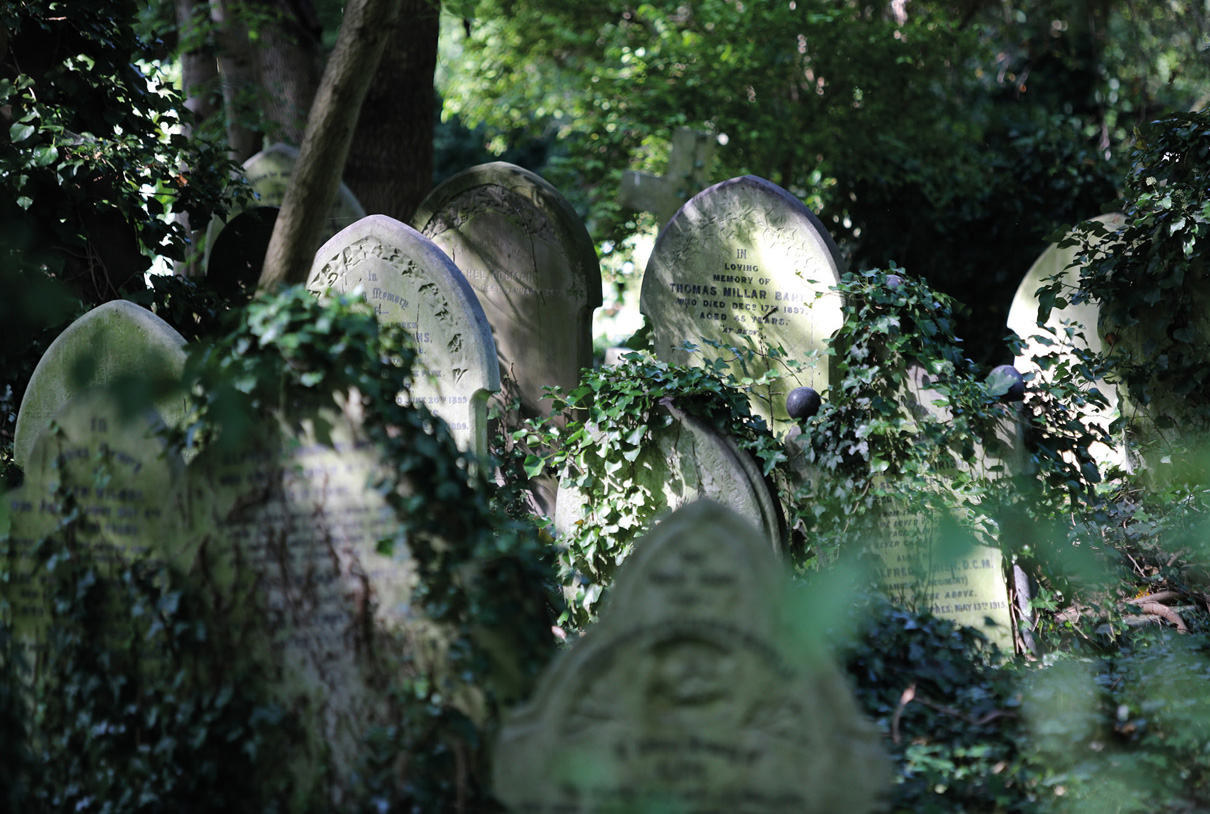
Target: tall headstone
284 536
687 695
533 268
1042 338
410 281
746 265
917 568
236 260
688 460
105 471
116 344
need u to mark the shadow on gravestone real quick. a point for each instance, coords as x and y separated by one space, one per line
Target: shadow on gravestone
107 468
687 696
746 265
535 271
238 254
268 174
409 281
116 344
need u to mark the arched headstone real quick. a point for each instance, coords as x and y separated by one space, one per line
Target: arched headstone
533 267
115 344
746 265
686 695
410 281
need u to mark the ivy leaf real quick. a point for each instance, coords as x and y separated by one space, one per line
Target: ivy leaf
45 154
533 466
20 132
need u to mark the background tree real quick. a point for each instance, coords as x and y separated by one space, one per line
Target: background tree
951 137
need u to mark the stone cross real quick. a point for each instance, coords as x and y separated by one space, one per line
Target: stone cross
688 168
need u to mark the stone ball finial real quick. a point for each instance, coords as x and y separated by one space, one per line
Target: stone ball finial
803 402
1016 391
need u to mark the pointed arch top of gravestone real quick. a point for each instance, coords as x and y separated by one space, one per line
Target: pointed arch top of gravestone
115 343
533 267
690 694
745 264
268 174
409 280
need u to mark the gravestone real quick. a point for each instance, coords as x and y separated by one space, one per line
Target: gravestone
410 281
268 174
688 168
688 460
116 344
285 534
686 696
106 467
916 568
278 540
533 268
1043 339
746 265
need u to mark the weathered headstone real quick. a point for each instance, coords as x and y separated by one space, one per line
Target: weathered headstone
533 268
1042 339
687 461
268 174
688 697
116 344
410 281
746 265
918 568
284 540
107 470
688 168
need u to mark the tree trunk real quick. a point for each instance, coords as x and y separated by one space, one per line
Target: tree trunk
363 36
290 63
237 73
199 70
199 85
390 167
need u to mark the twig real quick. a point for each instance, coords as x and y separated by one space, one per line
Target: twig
904 700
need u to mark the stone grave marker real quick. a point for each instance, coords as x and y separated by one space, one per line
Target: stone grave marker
268 173
1023 320
689 460
533 268
409 280
688 168
285 540
108 468
687 696
118 343
918 569
747 265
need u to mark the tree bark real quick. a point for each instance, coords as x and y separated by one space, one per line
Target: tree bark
237 74
363 36
290 64
390 167
199 70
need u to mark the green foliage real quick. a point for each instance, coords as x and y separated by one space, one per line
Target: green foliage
1124 727
90 162
874 443
1149 278
607 450
123 731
